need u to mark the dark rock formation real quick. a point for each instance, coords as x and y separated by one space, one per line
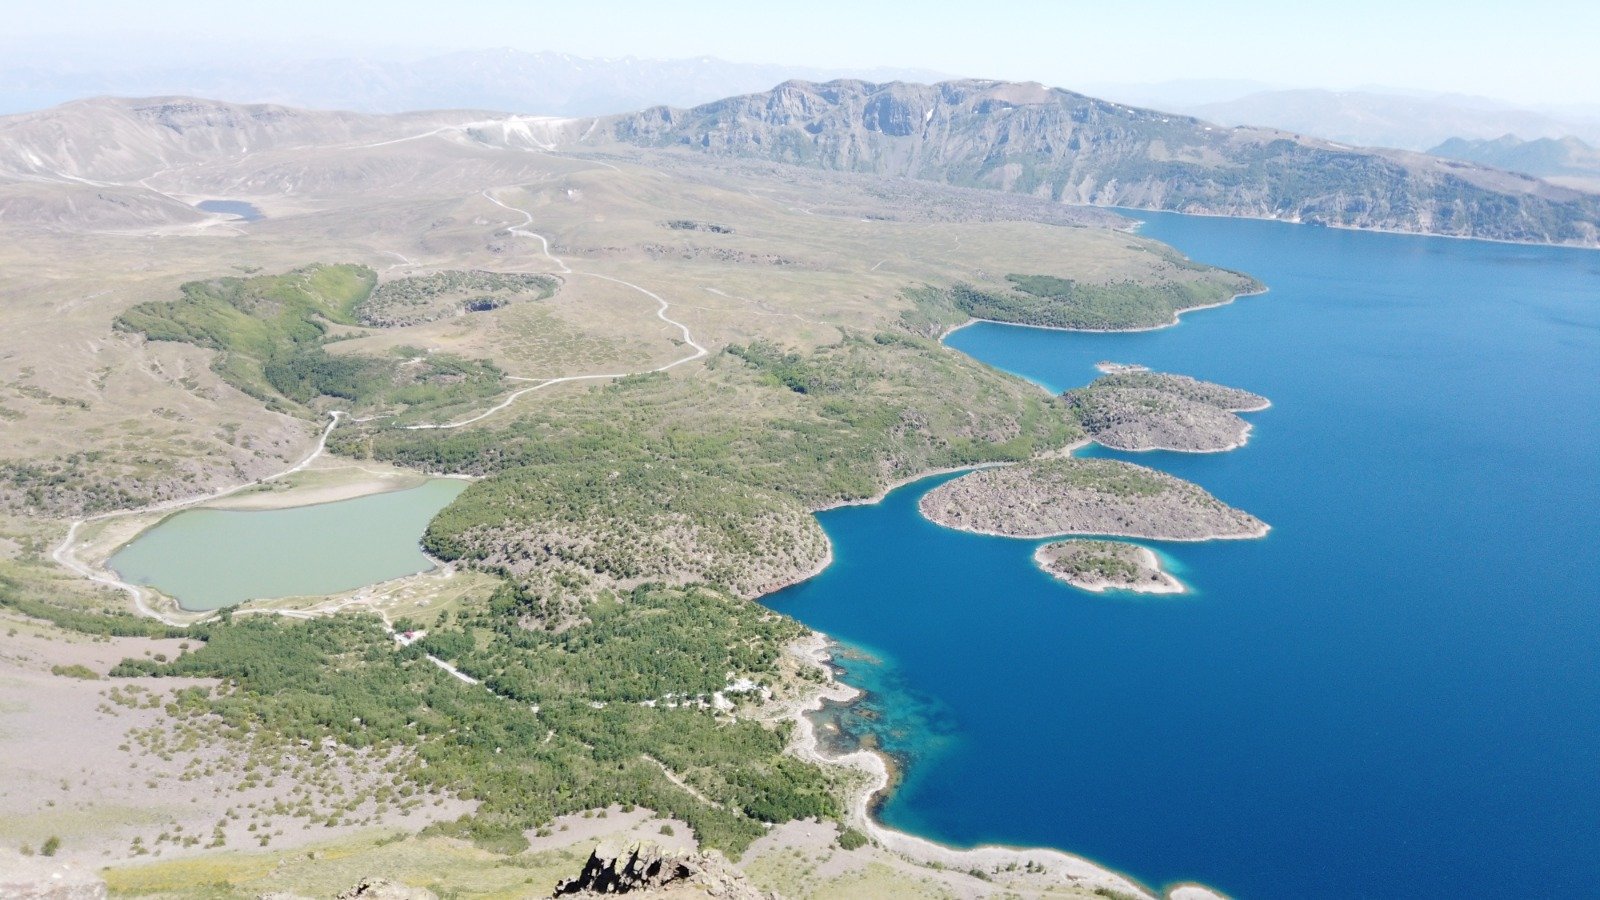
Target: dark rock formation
647 869
370 888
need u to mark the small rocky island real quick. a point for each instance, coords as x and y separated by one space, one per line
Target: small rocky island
1106 565
1049 497
1114 368
1141 410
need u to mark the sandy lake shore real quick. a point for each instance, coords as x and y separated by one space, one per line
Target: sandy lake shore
1058 868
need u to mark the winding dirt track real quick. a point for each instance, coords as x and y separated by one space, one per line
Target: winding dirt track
661 313
65 553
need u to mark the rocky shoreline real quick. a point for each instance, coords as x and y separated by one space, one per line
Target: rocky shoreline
1177 319
1043 867
1099 566
1134 409
1054 497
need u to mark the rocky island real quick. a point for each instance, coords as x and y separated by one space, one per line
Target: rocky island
1112 368
1106 565
1142 410
1049 497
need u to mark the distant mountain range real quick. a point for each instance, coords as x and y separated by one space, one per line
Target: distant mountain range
129 163
1373 119
1564 159
1047 142
504 79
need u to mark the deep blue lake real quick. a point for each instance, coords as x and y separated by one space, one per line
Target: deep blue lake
1396 693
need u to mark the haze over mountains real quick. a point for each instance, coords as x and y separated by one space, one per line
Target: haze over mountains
549 83
1564 161
1368 117
502 79
139 163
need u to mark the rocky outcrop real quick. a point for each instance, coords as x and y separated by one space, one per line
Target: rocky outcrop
647 870
1050 497
1055 144
1155 411
370 888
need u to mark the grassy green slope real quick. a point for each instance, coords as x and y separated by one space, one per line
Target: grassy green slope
710 478
627 518
1052 302
270 332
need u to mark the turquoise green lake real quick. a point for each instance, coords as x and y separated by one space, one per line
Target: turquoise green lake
211 558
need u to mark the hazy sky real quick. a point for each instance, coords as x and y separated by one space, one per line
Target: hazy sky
1530 51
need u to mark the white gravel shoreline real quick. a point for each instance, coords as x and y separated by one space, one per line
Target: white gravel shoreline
1058 868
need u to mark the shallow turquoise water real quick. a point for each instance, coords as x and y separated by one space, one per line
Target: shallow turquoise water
211 558
1396 693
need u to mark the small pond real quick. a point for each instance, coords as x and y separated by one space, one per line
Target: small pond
246 211
211 558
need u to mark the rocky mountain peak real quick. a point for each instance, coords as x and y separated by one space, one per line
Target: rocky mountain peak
1057 145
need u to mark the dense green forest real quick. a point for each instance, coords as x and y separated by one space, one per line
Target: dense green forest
559 725
710 478
605 522
271 334
1180 386
425 298
1048 301
876 409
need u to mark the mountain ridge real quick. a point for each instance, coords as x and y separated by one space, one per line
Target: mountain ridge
1565 160
1379 119
1017 137
1028 138
518 81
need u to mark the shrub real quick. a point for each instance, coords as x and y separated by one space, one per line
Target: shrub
851 839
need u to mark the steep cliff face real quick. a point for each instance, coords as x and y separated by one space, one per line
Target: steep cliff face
1052 143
